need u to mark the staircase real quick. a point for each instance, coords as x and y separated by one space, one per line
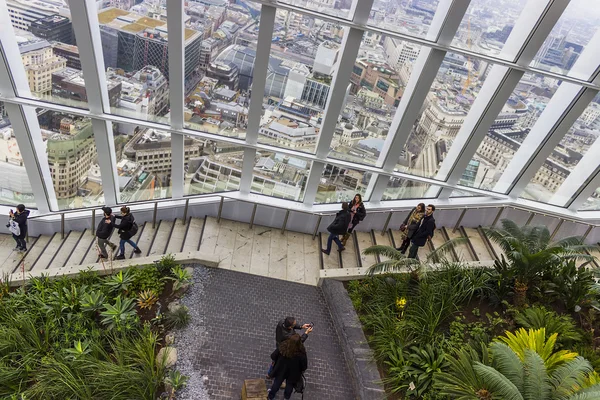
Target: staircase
231 245
477 249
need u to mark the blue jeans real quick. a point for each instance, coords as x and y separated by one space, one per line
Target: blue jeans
287 392
122 245
333 238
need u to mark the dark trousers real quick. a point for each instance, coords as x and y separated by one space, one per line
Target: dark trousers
412 252
352 227
333 238
21 243
287 392
404 245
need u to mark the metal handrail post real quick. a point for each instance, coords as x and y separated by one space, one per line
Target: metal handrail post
253 215
317 227
185 210
285 220
93 221
62 225
220 209
154 215
387 222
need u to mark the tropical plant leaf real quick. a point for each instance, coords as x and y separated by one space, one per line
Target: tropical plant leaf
505 360
569 377
498 384
536 384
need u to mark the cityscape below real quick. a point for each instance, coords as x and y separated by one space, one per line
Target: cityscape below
220 40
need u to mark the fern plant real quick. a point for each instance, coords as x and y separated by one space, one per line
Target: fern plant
539 317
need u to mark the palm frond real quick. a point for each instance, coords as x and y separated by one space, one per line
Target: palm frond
396 266
569 376
536 384
385 251
440 253
508 363
498 384
587 395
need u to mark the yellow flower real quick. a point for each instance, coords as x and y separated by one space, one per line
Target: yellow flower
400 303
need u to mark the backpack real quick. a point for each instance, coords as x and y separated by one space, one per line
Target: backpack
14 227
134 228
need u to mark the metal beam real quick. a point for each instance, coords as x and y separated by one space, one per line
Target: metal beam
445 23
563 109
312 183
259 79
176 48
531 29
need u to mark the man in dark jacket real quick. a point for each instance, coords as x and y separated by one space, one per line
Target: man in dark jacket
423 233
103 232
339 226
287 327
20 217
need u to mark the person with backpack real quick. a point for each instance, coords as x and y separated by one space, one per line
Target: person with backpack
358 212
18 226
103 232
127 229
423 233
339 226
290 364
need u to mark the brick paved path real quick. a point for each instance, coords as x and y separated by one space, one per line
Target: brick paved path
240 312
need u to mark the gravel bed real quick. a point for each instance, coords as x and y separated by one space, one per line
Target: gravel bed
189 339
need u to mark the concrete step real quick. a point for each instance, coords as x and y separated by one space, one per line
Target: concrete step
438 240
350 255
145 238
382 240
364 241
463 252
46 258
81 248
479 245
175 244
161 240
36 251
333 259
66 249
193 231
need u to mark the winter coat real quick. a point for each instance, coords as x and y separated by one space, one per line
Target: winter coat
282 334
125 226
21 219
412 224
339 226
424 231
104 230
361 213
290 369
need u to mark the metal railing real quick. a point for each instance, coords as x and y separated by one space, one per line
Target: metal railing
223 197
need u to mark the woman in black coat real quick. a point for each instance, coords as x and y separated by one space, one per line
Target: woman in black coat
290 362
359 212
127 229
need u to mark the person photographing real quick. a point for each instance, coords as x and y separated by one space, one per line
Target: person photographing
18 226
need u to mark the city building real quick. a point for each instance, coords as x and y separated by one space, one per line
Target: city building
53 28
68 83
145 93
131 42
290 133
68 52
24 12
40 63
14 182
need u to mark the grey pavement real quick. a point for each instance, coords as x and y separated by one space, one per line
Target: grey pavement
239 313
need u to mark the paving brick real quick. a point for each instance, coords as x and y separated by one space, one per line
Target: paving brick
241 311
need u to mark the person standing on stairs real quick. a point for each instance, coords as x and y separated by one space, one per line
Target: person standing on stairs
410 225
339 226
127 229
103 232
423 233
20 217
358 213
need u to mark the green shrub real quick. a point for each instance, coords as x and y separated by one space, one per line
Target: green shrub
166 263
120 282
177 319
147 278
539 317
